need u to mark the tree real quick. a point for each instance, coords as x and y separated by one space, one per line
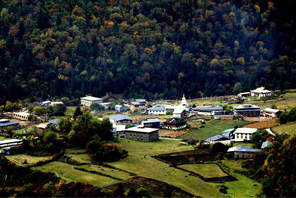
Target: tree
8 106
77 112
237 88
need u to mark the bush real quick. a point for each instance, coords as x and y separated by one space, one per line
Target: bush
143 192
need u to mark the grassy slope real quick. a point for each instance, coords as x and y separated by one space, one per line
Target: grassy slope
152 168
290 128
211 128
244 187
205 170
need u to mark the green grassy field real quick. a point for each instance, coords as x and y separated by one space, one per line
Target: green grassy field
289 128
140 162
20 158
3 138
69 174
205 170
211 128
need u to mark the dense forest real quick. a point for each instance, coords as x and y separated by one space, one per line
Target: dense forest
149 49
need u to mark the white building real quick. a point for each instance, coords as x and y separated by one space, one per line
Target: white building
21 115
179 112
157 110
184 102
243 134
88 100
260 92
56 103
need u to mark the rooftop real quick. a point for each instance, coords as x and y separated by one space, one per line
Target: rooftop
246 106
242 148
135 103
90 98
151 121
156 109
10 141
140 100
228 130
269 110
3 124
260 90
179 109
120 117
265 144
215 138
141 130
245 130
215 108
54 121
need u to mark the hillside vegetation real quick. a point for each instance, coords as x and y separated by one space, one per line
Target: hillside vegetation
150 49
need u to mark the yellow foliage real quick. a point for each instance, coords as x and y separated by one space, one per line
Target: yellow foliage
257 8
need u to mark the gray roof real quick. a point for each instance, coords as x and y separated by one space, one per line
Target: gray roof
151 121
265 144
54 121
9 123
269 110
242 148
135 103
156 109
140 100
216 108
120 117
214 138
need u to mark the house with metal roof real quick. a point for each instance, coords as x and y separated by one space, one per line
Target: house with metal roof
244 94
54 103
4 123
218 138
223 117
265 144
211 110
179 112
174 123
246 110
228 133
156 110
242 151
151 123
54 121
119 108
243 134
142 102
274 113
11 146
142 134
21 115
123 119
260 92
88 100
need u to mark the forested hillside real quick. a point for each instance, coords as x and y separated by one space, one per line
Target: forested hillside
150 49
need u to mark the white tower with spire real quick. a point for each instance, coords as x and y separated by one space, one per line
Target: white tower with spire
184 102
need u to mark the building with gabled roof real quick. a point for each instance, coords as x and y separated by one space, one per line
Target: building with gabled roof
212 110
151 123
7 123
246 110
274 113
266 144
156 110
142 134
242 151
218 138
243 134
123 119
260 92
174 123
88 100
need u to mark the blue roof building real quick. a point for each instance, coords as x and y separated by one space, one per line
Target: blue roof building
216 138
242 151
54 121
7 123
265 144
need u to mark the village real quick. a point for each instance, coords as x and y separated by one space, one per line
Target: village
189 130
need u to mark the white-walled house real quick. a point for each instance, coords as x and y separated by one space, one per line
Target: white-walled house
260 92
88 100
243 134
120 119
157 110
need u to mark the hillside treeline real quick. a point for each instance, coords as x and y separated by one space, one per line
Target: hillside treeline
149 49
